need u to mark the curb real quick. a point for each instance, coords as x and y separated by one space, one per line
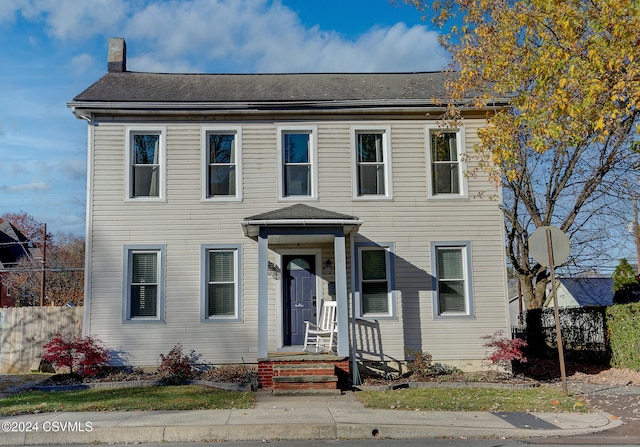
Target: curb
283 431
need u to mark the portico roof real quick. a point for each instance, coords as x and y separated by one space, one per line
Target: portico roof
299 215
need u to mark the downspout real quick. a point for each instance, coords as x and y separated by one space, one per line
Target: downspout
86 317
355 374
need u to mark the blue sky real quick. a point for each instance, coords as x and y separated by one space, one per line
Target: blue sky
51 50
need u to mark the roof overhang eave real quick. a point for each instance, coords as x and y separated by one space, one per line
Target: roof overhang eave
251 228
87 109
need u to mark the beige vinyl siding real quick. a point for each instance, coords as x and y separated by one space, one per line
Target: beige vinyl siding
182 223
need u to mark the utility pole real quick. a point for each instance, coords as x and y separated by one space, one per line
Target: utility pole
44 265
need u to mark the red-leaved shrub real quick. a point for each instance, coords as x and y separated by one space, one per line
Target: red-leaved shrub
501 351
83 356
176 367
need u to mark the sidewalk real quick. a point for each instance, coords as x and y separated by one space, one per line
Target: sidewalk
287 418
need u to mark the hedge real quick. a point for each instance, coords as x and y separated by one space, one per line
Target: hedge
602 335
623 329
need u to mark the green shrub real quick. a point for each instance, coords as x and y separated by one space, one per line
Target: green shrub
623 329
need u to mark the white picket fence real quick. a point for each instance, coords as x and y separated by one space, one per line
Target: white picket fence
25 330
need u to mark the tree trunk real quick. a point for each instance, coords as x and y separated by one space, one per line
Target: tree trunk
534 289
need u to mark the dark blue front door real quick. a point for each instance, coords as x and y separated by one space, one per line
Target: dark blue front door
299 297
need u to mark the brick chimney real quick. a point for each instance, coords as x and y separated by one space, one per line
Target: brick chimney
117 58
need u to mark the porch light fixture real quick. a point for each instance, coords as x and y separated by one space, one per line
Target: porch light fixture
328 266
274 270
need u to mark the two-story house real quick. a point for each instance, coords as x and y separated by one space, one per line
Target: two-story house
223 209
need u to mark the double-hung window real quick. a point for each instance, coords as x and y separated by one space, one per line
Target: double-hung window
221 282
445 149
222 163
452 277
297 167
144 287
375 282
372 174
145 163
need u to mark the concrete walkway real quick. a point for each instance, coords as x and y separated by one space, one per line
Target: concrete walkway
287 418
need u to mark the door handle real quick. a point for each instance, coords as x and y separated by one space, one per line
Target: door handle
299 305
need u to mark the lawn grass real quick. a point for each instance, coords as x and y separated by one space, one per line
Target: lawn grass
189 397
539 399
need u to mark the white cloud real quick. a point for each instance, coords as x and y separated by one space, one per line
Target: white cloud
81 63
255 35
28 187
384 49
73 169
244 35
14 170
8 11
72 19
154 64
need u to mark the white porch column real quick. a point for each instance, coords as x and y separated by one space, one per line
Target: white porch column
263 296
341 295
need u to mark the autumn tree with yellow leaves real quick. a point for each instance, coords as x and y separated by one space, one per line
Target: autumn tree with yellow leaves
565 150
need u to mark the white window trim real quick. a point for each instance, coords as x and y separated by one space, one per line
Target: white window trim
129 250
162 184
391 292
204 282
462 167
230 130
465 247
388 171
312 130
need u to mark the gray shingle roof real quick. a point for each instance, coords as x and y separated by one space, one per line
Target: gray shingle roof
300 211
265 88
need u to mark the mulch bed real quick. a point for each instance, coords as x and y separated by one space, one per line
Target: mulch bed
535 371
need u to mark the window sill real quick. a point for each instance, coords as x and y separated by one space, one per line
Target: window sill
138 200
454 317
457 197
221 320
372 198
298 199
143 321
377 317
220 199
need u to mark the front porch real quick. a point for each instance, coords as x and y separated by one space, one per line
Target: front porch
304 373
301 240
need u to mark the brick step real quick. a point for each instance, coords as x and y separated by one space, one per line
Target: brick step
305 386
306 392
299 377
292 374
305 379
304 369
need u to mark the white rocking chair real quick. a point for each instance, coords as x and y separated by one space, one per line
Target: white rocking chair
323 336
